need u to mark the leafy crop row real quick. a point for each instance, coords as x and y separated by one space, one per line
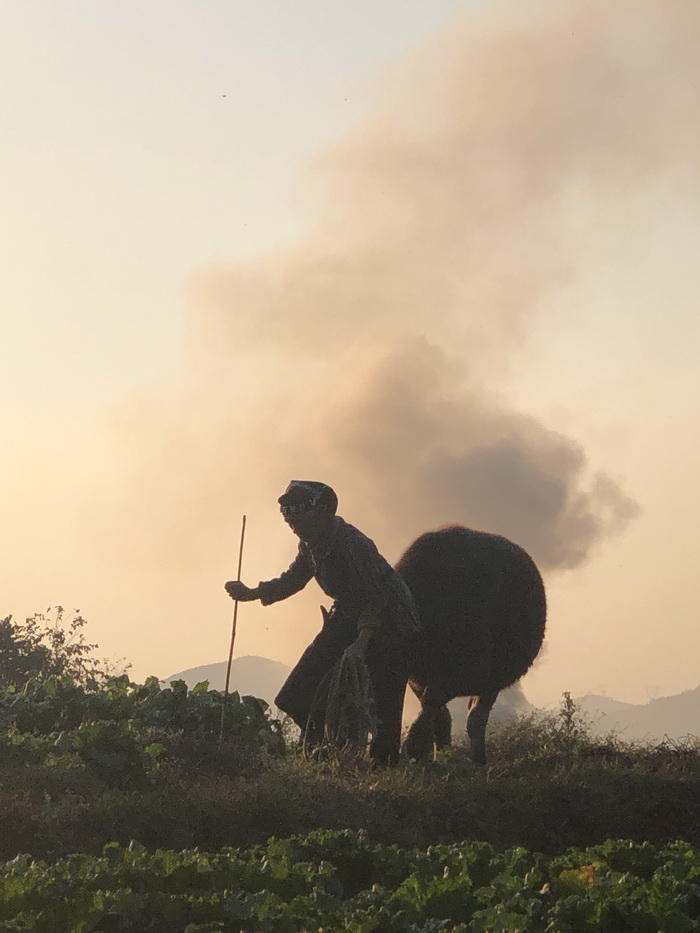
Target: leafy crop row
343 881
121 731
55 704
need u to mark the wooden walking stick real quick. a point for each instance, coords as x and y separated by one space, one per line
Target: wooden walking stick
233 631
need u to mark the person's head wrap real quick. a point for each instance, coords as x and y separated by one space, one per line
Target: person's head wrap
304 495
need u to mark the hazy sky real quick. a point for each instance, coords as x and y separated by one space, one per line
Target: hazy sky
442 256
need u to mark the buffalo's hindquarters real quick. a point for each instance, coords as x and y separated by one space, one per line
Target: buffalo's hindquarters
482 608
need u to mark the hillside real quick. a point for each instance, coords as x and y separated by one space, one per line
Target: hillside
250 676
261 677
673 717
144 808
80 769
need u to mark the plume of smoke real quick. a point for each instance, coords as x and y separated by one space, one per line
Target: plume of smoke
369 354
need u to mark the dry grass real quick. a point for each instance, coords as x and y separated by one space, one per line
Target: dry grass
547 786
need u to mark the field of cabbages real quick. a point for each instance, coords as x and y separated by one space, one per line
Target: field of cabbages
127 808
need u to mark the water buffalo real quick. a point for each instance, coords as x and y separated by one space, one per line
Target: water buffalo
482 607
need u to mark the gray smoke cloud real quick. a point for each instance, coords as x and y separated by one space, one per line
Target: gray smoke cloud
369 354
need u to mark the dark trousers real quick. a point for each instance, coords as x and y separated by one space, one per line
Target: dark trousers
387 663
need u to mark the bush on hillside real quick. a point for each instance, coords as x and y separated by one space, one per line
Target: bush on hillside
50 644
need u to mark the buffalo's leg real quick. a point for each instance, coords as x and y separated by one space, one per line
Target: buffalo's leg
479 709
443 728
420 741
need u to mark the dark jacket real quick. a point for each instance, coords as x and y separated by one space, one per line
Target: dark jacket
348 567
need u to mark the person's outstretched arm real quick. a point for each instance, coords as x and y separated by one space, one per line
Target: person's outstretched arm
291 581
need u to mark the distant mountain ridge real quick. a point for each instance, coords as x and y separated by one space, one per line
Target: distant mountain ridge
262 677
250 676
674 717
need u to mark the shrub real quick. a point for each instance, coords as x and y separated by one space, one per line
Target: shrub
47 646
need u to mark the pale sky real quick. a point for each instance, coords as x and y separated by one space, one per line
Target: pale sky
174 180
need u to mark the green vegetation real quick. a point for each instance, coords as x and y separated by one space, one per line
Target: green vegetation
343 881
49 644
172 817
80 768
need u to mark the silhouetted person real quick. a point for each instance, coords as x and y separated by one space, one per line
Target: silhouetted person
369 597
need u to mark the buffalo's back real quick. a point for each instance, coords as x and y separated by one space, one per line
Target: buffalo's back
482 607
